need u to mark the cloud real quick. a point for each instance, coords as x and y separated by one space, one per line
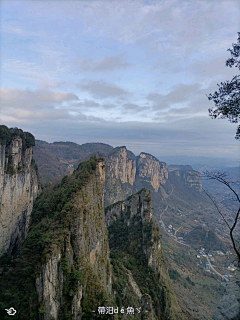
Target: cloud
46 72
184 101
42 106
87 104
31 71
133 108
155 22
106 64
184 38
51 122
101 89
199 138
30 98
214 67
179 94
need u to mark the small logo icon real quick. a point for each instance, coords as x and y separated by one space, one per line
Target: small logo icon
11 311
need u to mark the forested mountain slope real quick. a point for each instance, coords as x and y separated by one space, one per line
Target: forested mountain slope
64 269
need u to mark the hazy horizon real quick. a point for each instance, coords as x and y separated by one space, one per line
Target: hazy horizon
178 159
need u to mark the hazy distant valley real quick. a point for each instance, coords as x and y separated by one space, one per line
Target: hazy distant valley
60 158
178 201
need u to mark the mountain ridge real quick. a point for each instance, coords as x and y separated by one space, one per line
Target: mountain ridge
65 263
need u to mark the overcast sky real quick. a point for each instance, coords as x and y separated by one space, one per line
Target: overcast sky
132 73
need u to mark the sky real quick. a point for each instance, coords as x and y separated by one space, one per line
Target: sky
133 73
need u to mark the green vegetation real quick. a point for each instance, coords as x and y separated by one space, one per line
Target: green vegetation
95 295
201 288
18 281
51 217
201 237
128 238
6 136
226 99
128 198
70 150
173 274
10 169
190 281
148 199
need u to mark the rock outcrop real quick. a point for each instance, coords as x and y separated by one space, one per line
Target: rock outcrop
63 270
229 306
121 164
120 174
135 241
191 178
126 174
138 207
151 170
84 257
18 187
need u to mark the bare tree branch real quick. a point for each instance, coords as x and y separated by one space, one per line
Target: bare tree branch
231 235
216 206
221 177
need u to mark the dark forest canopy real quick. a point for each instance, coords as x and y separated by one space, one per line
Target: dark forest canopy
227 98
8 134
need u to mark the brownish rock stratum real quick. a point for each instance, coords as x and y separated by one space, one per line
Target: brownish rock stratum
18 190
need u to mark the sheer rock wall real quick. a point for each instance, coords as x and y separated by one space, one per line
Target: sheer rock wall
18 190
142 239
151 170
86 248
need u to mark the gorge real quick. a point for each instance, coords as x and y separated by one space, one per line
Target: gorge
90 238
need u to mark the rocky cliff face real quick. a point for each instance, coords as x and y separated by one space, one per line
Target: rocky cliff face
121 164
151 170
64 269
192 179
120 174
229 306
125 174
83 259
138 207
137 255
18 190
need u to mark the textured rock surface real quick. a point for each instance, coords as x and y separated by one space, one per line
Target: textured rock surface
192 179
85 248
50 285
150 169
139 205
18 189
120 175
133 230
229 306
147 309
121 164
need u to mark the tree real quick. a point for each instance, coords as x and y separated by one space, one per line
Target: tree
222 178
227 98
